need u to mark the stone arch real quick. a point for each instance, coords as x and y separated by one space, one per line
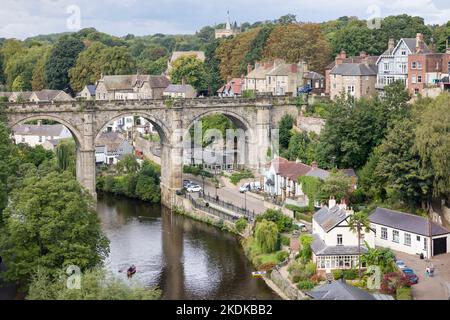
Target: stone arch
75 132
160 127
241 122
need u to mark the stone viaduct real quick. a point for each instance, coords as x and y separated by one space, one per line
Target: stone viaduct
171 118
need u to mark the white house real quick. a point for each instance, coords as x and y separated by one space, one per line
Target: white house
38 134
110 147
408 233
88 93
335 246
393 63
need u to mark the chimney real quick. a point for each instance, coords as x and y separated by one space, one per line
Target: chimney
249 68
331 202
257 64
391 44
39 122
341 57
363 54
314 164
419 43
183 81
294 68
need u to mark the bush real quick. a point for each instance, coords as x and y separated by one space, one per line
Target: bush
404 293
317 278
337 274
305 285
285 241
266 236
282 255
310 269
350 274
241 224
392 281
196 171
266 266
303 216
284 223
236 177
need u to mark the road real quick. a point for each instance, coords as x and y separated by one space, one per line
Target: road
232 195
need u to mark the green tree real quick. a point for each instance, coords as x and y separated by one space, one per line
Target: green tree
301 147
50 222
8 164
128 164
336 186
19 84
96 284
116 61
266 235
62 58
400 166
65 156
87 69
432 141
359 223
191 69
285 126
354 38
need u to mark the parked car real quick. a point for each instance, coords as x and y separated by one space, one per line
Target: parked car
300 226
400 264
194 188
186 183
305 89
244 188
410 275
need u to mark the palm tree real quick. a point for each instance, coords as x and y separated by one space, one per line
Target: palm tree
359 222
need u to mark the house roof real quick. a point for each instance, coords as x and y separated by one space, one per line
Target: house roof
178 54
289 169
5 94
49 95
355 59
313 75
355 69
260 71
179 88
127 82
25 95
234 84
328 218
91 89
112 141
410 43
339 290
318 173
405 222
349 172
47 130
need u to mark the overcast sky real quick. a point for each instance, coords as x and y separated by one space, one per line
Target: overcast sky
25 18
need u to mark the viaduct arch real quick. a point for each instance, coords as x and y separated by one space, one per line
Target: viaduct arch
171 119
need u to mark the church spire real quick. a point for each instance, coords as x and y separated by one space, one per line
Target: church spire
228 24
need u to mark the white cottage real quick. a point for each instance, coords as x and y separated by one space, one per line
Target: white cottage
38 134
408 233
335 246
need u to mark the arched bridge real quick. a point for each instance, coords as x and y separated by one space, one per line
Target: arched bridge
171 118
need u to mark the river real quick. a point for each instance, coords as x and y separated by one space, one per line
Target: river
186 259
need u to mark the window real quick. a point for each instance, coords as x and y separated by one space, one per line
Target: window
419 79
384 233
419 65
40 139
413 79
416 91
386 66
414 65
395 236
418 238
407 239
404 53
339 239
351 90
403 68
425 246
23 139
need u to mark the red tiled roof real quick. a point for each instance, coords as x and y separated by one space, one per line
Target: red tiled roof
235 84
290 169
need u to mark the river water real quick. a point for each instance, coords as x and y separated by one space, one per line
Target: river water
186 259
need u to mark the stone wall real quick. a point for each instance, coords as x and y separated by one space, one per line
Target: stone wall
148 149
286 286
310 124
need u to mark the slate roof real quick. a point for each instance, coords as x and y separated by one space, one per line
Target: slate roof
91 89
339 290
313 75
5 94
329 218
179 88
355 69
405 222
127 82
410 43
319 248
50 95
260 71
318 173
355 59
47 130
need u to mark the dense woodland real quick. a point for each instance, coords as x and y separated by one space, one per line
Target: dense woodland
69 61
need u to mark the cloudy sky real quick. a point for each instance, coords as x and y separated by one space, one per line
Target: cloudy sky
24 18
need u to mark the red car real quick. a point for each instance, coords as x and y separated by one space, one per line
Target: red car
411 276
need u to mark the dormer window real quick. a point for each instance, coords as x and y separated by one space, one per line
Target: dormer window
339 240
403 52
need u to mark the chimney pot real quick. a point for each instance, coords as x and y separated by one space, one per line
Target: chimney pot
331 202
314 164
391 44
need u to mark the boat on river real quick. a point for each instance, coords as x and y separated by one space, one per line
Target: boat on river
258 274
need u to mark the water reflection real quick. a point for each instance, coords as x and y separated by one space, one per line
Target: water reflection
185 258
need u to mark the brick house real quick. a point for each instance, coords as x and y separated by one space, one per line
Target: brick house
427 73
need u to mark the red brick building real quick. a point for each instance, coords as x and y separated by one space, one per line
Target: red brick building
428 73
